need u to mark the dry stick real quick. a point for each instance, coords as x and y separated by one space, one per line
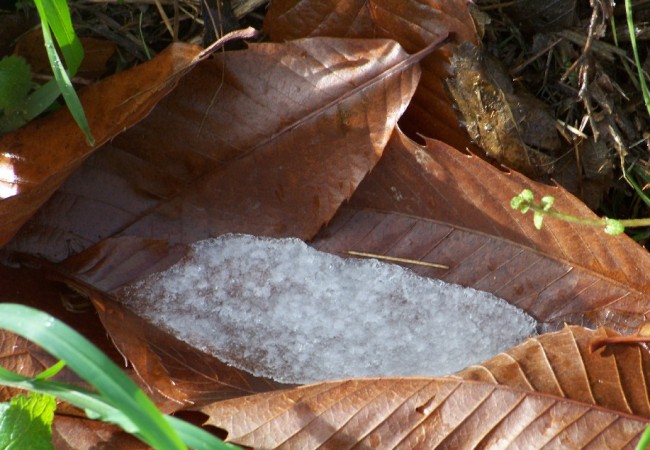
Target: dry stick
610 340
527 62
396 259
165 18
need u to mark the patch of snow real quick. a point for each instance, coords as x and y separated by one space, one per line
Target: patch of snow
281 309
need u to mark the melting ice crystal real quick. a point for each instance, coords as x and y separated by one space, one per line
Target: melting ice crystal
280 309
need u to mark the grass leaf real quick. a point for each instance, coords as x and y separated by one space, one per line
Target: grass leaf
95 367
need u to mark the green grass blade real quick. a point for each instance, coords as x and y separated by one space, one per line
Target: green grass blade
51 371
92 403
644 442
637 188
92 365
57 15
41 99
63 81
194 437
197 438
637 60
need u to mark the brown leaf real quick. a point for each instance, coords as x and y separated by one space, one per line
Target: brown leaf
286 20
419 413
21 356
177 374
549 391
75 433
116 262
270 143
412 23
38 157
30 287
565 272
561 364
173 373
512 127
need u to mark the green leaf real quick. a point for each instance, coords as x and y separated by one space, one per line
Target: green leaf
26 422
527 195
538 219
51 371
521 202
547 202
516 202
94 406
37 102
15 82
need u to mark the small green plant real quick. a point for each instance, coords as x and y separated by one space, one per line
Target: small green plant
117 398
20 100
26 421
525 202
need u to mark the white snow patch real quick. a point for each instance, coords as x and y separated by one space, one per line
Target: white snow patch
280 309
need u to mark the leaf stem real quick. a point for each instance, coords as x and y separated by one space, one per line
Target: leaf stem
568 217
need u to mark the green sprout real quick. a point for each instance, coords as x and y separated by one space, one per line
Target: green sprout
525 201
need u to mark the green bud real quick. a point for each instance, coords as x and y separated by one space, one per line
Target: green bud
519 204
614 227
527 195
547 202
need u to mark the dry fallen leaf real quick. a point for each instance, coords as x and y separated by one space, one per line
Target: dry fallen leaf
270 143
175 373
459 215
272 140
549 391
31 287
38 157
419 413
69 432
412 23
21 356
561 364
513 127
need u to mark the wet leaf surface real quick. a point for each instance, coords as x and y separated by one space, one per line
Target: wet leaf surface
31 173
